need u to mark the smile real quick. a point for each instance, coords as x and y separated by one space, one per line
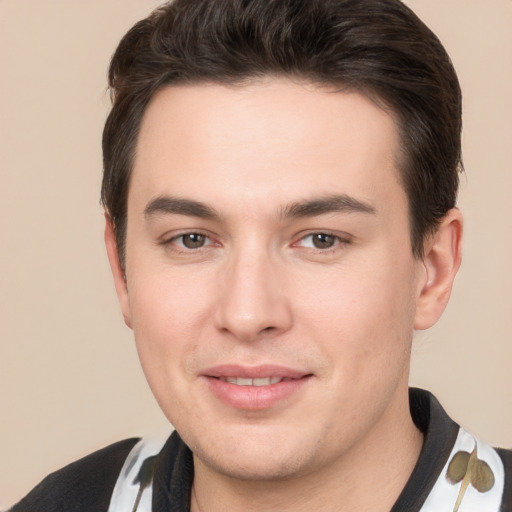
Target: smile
256 388
263 381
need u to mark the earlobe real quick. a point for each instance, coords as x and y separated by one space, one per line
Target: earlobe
443 253
117 271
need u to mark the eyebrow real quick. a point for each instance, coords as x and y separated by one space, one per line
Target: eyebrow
176 205
341 203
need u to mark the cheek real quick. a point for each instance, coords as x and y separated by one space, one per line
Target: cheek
363 315
168 315
166 304
164 322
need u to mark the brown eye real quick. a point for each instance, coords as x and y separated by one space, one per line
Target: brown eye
323 240
192 240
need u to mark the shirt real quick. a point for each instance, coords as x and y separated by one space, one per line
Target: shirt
455 472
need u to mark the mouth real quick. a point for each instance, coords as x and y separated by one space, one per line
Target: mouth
255 388
258 382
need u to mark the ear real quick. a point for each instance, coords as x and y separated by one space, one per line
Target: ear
443 253
117 271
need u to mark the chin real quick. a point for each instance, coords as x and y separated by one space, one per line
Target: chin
255 458
258 468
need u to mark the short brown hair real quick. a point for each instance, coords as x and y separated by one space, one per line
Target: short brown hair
378 47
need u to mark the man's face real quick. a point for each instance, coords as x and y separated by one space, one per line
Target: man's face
271 285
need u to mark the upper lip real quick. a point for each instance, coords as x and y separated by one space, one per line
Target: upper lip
254 372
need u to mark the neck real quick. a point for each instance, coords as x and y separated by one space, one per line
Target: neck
369 477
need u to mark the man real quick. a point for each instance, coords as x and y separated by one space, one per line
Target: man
280 187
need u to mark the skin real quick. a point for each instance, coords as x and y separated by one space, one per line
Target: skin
254 288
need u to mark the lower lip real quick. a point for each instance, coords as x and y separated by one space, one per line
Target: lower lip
255 398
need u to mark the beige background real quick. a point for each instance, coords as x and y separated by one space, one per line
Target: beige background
69 376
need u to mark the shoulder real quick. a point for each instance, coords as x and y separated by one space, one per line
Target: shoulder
454 465
84 485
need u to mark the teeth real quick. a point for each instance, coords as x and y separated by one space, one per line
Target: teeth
261 382
264 381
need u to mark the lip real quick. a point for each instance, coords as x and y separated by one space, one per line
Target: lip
254 398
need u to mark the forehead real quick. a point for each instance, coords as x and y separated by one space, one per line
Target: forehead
268 141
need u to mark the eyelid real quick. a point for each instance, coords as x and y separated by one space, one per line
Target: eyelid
170 240
342 239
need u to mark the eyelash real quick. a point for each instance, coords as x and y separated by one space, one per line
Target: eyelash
179 247
338 242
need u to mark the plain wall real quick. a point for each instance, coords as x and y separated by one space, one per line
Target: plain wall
69 377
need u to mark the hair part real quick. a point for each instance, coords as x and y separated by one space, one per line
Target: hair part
377 47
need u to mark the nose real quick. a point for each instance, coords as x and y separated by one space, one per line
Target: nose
253 302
